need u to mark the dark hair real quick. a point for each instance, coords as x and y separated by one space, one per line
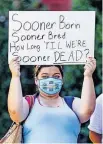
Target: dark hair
38 68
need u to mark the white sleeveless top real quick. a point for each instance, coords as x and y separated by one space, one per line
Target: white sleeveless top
51 125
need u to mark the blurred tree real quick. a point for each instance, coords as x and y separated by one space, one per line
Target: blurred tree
90 5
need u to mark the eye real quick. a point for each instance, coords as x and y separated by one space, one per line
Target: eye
44 77
56 76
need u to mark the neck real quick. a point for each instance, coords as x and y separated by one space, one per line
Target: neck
47 97
54 100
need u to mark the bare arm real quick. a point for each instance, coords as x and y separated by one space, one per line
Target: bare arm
17 105
95 126
88 97
95 137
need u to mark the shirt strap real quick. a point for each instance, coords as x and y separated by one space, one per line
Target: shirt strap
69 101
31 99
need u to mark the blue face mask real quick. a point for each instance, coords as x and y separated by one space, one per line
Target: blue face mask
50 86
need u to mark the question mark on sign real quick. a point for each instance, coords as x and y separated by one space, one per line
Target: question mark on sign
87 52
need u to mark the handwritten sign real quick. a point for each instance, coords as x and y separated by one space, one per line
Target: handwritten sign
51 37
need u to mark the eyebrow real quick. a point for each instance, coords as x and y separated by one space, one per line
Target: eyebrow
44 73
47 73
56 73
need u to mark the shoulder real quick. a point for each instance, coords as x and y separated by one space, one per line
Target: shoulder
69 101
76 102
96 118
98 107
72 101
99 100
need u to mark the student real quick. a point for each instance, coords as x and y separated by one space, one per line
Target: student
51 120
95 126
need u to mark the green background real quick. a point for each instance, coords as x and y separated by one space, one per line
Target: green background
73 75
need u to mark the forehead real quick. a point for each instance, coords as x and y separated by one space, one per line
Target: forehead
49 70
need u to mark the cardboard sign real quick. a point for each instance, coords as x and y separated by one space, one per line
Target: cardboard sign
51 37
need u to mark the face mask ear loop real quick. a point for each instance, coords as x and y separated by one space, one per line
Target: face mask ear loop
62 81
38 83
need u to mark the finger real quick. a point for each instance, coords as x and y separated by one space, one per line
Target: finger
91 61
90 67
13 60
16 57
93 64
90 58
90 64
16 63
16 67
17 60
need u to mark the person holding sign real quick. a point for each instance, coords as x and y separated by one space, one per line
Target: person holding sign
53 119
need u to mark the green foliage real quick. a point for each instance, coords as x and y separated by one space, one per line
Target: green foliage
73 75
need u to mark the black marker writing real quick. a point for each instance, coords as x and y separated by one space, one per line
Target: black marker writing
53 45
27 58
56 36
76 43
64 25
19 22
35 25
73 56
